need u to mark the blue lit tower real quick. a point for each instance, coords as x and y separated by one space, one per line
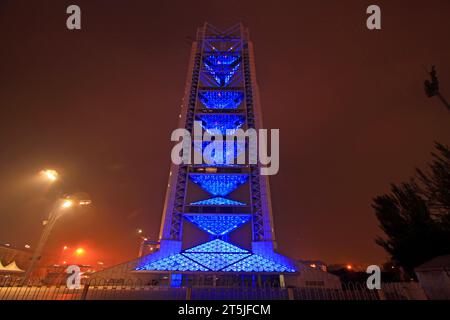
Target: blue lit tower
218 198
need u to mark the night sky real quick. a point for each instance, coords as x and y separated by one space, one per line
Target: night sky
99 105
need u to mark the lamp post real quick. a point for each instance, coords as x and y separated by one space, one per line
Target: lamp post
59 208
142 241
432 88
145 244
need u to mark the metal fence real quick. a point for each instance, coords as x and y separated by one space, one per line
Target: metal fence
132 290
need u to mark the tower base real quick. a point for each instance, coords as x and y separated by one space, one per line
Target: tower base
218 256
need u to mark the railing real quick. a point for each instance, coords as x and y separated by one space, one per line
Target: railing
99 289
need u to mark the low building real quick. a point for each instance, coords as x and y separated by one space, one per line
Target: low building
315 264
434 277
10 254
13 262
312 274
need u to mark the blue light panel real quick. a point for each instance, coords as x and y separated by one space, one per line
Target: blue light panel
221 99
216 60
218 246
217 255
216 261
217 201
177 262
222 122
222 67
216 224
220 153
257 263
219 184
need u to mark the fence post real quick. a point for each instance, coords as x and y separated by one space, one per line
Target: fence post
290 293
188 293
85 291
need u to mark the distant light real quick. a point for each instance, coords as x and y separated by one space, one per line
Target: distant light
139 231
65 247
349 267
145 239
79 251
100 263
7 245
50 174
64 262
27 246
67 203
313 265
85 202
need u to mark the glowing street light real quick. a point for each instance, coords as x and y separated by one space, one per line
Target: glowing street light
143 241
50 174
60 206
67 203
79 251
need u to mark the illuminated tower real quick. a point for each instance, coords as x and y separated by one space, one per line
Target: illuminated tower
218 198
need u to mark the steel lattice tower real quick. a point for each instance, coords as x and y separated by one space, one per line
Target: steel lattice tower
221 91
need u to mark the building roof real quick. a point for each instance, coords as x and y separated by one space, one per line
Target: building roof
12 267
438 263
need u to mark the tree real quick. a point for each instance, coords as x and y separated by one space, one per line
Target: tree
436 184
415 216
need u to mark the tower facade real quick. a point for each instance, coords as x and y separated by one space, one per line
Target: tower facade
228 202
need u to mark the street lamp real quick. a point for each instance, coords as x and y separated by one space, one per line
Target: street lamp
142 241
50 174
432 87
67 203
61 205
145 243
